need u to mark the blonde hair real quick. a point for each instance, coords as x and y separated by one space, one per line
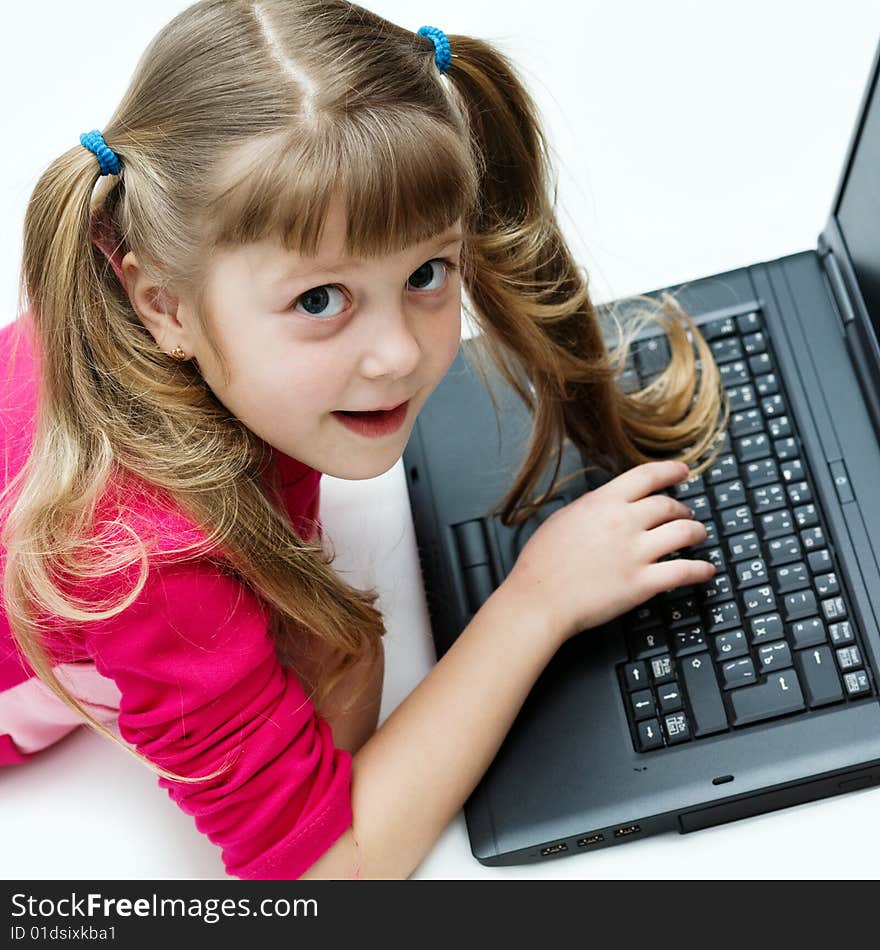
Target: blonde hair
241 121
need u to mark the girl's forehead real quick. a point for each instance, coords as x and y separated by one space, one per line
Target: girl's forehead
269 261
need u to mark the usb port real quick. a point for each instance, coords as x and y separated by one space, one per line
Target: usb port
593 839
555 848
626 830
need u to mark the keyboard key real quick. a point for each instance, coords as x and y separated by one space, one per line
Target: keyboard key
735 519
833 609
767 384
717 589
783 550
704 695
806 516
792 577
773 406
766 628
730 644
688 640
642 704
856 683
817 673
734 373
760 363
808 633
841 633
647 642
819 561
749 573
749 322
779 427
669 696
662 670
769 498
849 657
774 656
681 611
722 617
826 584
800 604
677 728
792 470
799 493
758 600
699 505
813 538
652 355
648 735
743 546
775 524
635 675
737 673
754 343
752 447
762 472
646 615
741 397
726 350
722 326
779 694
729 493
693 486
724 467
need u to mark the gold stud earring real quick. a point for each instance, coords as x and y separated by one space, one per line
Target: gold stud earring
178 353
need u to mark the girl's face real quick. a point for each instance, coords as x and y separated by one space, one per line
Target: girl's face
307 336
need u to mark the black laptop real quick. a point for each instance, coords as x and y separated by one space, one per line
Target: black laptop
752 692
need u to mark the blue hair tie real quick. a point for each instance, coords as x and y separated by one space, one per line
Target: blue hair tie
107 158
442 52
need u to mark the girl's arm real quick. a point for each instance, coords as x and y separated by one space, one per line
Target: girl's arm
417 770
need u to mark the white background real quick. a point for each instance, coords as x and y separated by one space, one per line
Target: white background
689 138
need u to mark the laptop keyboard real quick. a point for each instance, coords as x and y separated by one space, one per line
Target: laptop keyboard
772 634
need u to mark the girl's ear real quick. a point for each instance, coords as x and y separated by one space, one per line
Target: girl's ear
156 308
104 238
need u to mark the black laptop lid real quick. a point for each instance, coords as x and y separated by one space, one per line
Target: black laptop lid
854 226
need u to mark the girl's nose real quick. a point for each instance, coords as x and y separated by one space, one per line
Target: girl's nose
390 347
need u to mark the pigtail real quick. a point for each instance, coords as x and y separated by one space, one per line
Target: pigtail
70 278
538 322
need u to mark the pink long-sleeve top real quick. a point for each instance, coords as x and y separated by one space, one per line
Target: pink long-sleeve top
189 674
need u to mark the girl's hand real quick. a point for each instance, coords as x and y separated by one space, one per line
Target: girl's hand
596 558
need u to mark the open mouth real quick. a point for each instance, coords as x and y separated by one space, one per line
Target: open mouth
374 423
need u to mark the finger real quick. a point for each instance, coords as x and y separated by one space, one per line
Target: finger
658 509
679 572
673 536
647 478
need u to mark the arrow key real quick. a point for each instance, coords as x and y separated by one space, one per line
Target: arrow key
648 733
820 679
642 704
670 698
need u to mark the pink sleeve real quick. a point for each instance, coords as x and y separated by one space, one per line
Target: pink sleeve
200 686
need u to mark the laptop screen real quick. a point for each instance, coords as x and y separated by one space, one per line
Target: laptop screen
858 210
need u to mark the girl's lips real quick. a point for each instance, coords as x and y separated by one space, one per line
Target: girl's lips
373 424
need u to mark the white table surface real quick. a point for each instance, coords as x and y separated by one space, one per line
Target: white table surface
690 139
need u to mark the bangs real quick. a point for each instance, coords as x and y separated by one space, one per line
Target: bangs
403 176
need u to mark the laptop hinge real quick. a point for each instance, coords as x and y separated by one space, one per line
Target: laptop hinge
845 311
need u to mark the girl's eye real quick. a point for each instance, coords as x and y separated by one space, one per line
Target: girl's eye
319 301
423 274
316 300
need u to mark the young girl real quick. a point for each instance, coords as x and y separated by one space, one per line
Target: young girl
268 240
